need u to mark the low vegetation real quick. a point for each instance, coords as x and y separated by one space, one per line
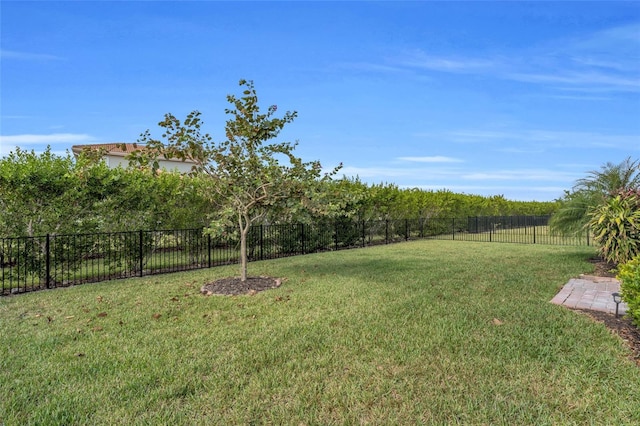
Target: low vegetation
423 332
629 276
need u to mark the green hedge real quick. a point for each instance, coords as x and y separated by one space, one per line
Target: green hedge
629 276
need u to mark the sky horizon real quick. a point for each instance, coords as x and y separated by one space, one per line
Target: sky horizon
518 99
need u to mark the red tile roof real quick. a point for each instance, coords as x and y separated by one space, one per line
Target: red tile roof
120 149
115 148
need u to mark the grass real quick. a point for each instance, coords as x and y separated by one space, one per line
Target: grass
423 332
523 235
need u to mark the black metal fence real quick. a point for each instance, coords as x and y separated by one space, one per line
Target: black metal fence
50 261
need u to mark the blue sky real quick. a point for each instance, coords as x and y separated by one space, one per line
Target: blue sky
493 98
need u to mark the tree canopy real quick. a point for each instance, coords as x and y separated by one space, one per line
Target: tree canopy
250 176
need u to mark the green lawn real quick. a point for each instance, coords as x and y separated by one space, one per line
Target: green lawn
428 332
524 235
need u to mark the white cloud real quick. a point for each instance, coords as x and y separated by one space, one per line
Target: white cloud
59 142
520 150
600 62
522 192
582 81
616 47
421 60
371 67
519 175
376 172
456 173
32 139
434 159
580 97
541 139
382 173
12 54
15 117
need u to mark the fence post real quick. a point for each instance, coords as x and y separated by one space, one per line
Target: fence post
534 232
209 250
335 235
491 232
140 251
453 228
47 272
302 236
261 241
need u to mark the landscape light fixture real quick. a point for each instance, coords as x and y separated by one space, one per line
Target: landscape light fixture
616 299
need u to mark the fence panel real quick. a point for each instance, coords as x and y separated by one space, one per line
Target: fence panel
34 263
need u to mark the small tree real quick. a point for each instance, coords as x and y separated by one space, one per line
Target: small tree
249 177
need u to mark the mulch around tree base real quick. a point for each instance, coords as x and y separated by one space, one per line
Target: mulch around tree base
602 267
234 286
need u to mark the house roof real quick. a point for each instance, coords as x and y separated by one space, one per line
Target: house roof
120 149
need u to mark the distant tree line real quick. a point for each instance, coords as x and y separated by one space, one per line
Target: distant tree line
59 194
388 201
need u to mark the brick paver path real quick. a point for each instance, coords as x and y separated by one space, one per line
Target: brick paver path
590 292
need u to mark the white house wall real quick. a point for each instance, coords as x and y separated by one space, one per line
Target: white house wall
116 161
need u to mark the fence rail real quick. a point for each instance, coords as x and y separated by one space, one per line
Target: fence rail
50 261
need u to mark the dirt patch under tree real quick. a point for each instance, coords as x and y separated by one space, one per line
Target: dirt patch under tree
233 286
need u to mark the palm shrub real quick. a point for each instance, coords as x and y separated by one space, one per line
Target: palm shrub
616 226
629 276
591 193
572 217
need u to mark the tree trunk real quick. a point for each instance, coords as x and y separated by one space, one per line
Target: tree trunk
244 231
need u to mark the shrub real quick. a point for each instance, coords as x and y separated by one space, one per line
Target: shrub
616 227
629 276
